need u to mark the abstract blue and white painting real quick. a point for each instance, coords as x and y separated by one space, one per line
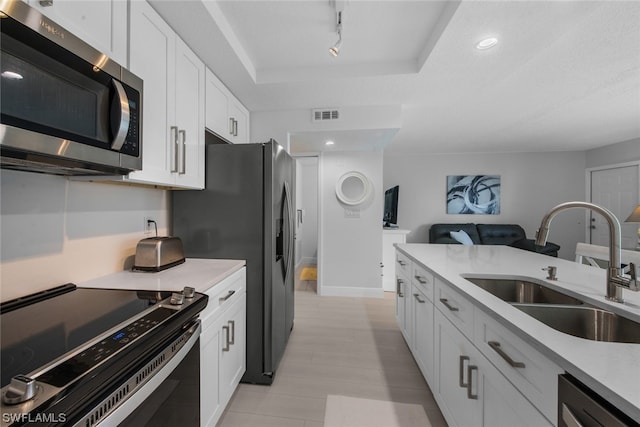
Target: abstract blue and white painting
473 194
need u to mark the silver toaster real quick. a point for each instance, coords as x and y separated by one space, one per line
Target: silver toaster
158 253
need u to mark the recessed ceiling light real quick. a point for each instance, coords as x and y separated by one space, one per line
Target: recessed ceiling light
329 143
487 43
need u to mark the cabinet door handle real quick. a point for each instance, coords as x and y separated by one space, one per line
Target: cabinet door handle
235 127
417 296
399 283
232 323
470 370
174 146
231 125
225 330
183 162
226 297
421 280
495 345
402 263
449 306
461 373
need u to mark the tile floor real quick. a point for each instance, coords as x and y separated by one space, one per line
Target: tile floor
338 346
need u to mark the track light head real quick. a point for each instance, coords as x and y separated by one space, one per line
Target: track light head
335 49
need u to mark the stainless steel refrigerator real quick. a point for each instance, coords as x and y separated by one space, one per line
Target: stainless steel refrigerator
246 211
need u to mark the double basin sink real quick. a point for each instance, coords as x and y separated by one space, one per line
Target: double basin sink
562 312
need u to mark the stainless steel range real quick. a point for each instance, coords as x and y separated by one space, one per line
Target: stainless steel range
73 356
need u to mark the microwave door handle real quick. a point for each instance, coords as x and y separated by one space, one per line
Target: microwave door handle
123 116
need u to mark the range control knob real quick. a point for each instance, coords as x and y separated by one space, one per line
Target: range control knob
189 292
177 298
21 389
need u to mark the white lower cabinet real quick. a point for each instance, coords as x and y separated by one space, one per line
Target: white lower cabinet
471 381
471 391
457 380
232 353
422 310
403 307
222 346
210 403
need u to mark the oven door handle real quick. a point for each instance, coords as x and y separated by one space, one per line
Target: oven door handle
569 418
139 396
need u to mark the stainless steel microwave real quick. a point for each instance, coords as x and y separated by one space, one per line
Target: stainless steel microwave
66 108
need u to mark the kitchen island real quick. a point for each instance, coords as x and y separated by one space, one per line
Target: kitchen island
612 370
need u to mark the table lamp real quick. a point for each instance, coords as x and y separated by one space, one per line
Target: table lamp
635 217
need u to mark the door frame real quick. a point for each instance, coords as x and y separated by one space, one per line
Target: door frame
317 156
588 171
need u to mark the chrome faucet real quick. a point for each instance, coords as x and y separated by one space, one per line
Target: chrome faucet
615 280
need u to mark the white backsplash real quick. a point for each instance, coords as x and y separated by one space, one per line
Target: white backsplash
55 230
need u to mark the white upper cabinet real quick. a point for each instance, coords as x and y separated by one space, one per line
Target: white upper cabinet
225 115
173 102
100 23
189 117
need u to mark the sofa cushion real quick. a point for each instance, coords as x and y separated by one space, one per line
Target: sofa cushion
461 237
500 234
440 233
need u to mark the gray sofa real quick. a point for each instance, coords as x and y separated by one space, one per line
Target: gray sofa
491 234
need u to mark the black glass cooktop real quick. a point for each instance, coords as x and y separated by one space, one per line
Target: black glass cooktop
40 331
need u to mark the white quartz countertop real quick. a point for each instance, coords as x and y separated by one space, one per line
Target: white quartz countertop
201 274
610 369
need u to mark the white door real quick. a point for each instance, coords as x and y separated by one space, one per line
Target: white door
617 190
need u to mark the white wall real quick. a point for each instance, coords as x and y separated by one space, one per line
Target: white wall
55 231
531 184
280 124
622 152
350 248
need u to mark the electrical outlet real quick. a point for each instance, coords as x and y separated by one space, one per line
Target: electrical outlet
147 226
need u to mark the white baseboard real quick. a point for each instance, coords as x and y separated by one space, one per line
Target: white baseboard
344 291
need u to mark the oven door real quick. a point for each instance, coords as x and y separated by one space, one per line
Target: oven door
169 394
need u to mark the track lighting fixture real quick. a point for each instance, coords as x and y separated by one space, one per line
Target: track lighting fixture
335 49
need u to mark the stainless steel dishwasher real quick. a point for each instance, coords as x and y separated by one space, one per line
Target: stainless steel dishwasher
579 406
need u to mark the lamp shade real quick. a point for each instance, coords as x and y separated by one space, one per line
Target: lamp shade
635 215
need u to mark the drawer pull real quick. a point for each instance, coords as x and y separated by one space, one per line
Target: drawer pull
470 370
461 374
421 280
226 297
449 306
402 263
417 296
496 347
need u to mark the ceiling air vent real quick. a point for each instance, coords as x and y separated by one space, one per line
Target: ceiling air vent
322 115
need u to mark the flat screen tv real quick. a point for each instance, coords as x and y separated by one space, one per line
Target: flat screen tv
390 216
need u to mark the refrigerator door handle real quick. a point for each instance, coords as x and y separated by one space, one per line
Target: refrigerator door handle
288 241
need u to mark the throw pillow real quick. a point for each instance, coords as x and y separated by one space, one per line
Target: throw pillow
461 236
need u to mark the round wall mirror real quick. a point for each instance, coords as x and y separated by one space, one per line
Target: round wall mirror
353 188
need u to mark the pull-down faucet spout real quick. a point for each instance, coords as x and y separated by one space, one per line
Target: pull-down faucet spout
615 280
